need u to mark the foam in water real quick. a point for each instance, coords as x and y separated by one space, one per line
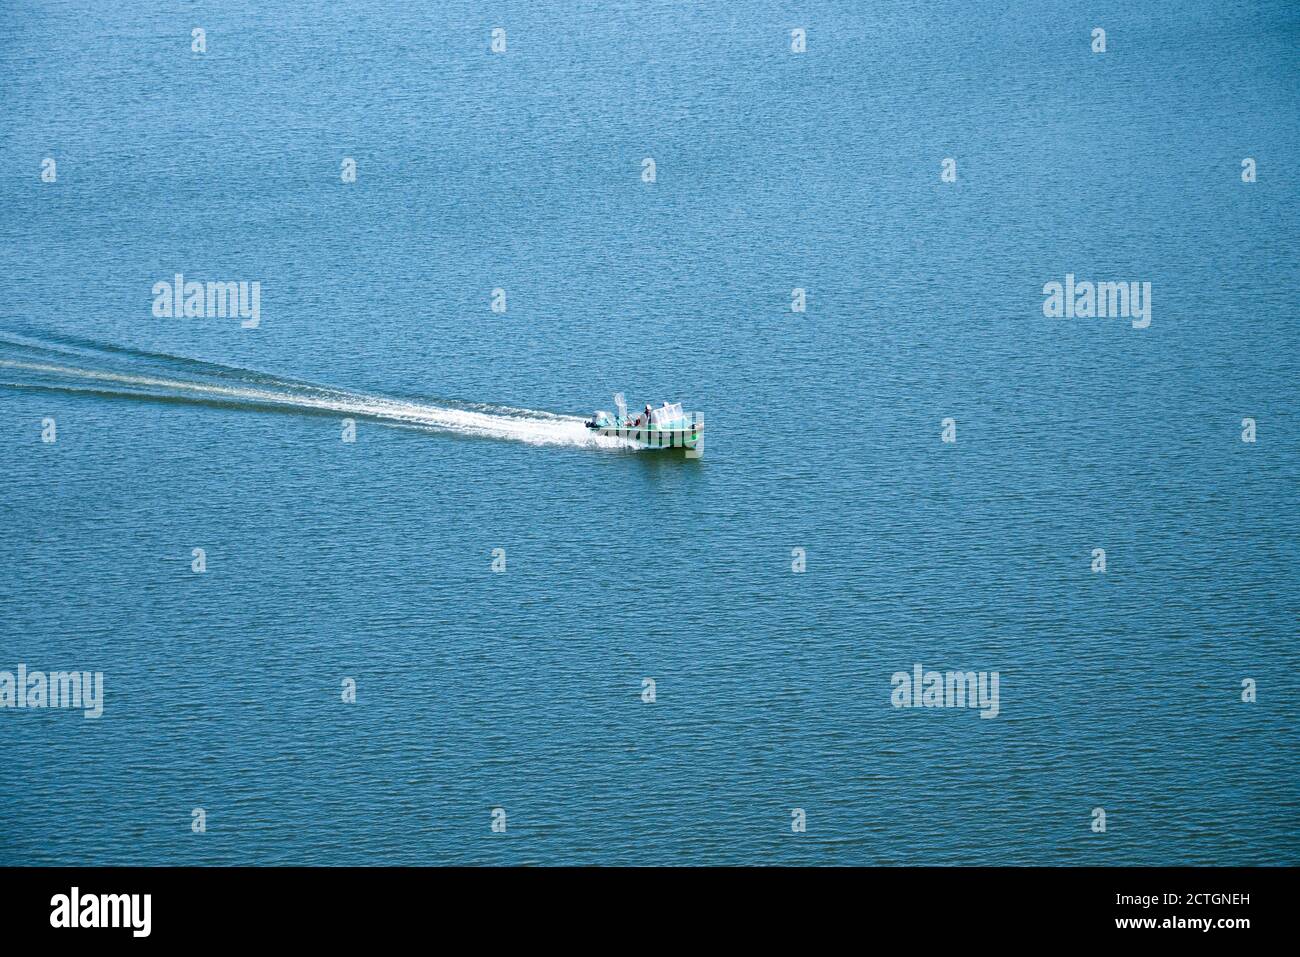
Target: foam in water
500 422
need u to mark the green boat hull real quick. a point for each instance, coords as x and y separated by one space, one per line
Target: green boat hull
687 438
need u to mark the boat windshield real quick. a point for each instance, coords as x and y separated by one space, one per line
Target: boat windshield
667 416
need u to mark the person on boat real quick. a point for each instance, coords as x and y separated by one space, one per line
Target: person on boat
644 420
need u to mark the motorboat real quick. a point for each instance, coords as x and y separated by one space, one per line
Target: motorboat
664 428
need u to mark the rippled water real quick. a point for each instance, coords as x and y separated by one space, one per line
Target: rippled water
522 689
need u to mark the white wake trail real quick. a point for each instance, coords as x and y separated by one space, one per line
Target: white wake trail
520 425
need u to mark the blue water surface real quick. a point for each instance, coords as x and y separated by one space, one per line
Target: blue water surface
522 689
